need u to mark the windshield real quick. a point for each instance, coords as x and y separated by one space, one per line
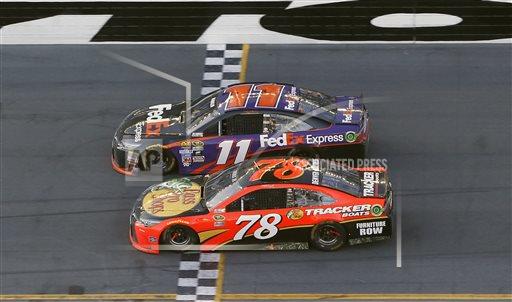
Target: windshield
204 110
344 180
320 104
226 183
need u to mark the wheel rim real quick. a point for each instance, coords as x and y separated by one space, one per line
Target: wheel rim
179 236
328 235
168 163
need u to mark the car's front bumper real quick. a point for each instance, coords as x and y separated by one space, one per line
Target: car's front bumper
139 238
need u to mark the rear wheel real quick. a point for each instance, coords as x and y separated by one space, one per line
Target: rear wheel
180 237
328 236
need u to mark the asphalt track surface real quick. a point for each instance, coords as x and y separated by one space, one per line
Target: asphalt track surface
441 116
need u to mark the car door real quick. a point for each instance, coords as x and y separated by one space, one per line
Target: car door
256 217
230 140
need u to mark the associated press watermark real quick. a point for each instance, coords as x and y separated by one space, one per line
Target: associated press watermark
337 164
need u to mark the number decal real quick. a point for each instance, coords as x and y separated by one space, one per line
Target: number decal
238 96
289 169
267 226
243 147
267 95
225 149
267 229
264 166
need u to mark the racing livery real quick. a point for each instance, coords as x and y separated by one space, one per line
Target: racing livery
264 201
238 122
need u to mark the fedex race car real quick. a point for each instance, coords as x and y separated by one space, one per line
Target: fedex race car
264 201
239 122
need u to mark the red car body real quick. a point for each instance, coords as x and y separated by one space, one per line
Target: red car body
249 207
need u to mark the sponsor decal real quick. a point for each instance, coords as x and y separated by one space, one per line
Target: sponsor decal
223 210
152 239
371 228
320 139
294 139
290 105
218 217
185 151
172 198
376 210
158 110
345 211
315 177
186 160
350 136
347 113
198 159
197 144
138 131
295 214
347 117
180 221
197 134
266 141
155 121
370 179
218 223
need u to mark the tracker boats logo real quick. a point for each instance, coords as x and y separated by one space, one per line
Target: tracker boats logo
261 21
370 179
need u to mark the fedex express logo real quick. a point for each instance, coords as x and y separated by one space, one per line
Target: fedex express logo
286 139
155 121
282 140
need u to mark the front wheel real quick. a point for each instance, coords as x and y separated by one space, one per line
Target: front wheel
180 237
328 236
152 157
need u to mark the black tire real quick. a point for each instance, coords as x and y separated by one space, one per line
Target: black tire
180 237
169 163
328 236
303 152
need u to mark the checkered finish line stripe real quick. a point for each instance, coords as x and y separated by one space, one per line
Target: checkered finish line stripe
222 66
197 278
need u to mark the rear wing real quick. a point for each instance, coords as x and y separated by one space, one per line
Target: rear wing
350 111
374 181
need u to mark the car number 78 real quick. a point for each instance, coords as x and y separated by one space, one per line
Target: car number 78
266 226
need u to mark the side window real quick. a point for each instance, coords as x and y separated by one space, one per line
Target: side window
212 130
242 124
307 198
283 123
260 200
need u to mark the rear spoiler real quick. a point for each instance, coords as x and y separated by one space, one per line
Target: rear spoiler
374 182
350 110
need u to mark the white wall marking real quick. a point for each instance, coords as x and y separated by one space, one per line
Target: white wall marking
61 29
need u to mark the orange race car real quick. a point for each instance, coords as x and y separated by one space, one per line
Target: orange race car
264 201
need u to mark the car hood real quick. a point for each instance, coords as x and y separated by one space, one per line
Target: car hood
174 198
154 121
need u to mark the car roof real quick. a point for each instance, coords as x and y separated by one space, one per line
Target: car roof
258 96
297 170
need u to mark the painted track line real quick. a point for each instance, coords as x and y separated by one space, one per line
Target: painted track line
267 297
201 275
